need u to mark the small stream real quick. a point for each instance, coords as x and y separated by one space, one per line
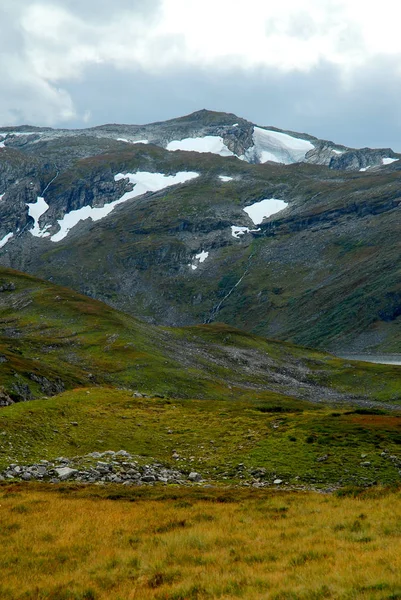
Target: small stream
383 359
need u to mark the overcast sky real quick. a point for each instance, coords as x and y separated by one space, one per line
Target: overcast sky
331 68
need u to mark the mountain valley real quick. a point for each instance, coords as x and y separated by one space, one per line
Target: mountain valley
176 420
202 260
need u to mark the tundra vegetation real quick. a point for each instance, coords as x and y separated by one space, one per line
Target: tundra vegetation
287 459
109 543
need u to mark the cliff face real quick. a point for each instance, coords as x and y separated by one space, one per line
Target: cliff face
182 250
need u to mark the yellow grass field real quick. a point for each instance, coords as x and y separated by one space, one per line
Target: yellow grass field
72 545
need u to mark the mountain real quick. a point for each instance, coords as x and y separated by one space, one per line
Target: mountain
165 222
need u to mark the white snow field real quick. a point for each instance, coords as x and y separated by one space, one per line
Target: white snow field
277 147
199 258
388 161
265 208
143 181
36 210
225 178
5 239
209 143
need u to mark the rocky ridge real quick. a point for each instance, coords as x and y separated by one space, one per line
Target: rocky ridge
236 133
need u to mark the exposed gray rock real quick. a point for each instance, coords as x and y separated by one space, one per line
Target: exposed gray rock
64 473
115 470
7 286
49 388
5 399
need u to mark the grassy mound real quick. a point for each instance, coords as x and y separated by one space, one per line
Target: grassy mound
253 442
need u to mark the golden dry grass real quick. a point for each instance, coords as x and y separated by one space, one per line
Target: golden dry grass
275 545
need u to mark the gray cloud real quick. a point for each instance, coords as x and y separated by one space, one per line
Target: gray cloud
97 68
366 114
95 10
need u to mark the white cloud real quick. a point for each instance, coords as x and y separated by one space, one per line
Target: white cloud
26 96
44 44
286 35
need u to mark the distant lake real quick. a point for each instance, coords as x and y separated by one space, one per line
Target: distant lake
383 359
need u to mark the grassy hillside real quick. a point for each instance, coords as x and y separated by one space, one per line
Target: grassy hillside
216 395
52 338
242 441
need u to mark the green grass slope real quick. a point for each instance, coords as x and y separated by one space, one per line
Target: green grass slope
234 406
52 338
246 441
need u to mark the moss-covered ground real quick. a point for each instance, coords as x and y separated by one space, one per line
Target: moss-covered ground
226 441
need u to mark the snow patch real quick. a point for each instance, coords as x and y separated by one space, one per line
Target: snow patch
364 169
5 239
337 151
265 208
36 210
276 147
225 178
237 231
202 256
209 143
2 145
143 181
388 161
199 258
132 142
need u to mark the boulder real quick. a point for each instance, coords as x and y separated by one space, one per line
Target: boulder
64 473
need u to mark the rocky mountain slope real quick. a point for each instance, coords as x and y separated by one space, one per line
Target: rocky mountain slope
166 221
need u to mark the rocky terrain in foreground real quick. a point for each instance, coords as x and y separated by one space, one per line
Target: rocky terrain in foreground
105 467
122 468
